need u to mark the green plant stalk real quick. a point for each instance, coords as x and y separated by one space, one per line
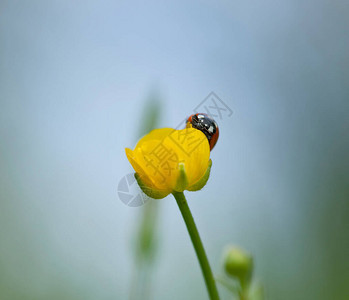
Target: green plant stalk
198 246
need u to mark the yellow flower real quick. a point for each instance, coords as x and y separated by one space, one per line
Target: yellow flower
168 160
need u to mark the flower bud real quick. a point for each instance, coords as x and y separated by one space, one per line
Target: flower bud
168 160
239 264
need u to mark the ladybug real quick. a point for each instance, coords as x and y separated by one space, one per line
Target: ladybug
207 125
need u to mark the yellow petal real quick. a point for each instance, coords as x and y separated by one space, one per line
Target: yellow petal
193 150
139 170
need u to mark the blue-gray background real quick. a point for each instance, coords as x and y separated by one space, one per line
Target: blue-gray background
74 79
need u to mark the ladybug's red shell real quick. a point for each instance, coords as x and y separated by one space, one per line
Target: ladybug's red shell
207 125
214 138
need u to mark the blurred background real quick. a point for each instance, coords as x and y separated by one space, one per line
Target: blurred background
75 82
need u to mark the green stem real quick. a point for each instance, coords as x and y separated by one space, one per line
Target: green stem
198 246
